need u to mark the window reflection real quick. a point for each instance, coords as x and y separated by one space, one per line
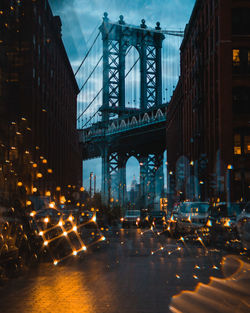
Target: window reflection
236 57
247 144
237 145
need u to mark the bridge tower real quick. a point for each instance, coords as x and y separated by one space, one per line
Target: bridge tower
117 38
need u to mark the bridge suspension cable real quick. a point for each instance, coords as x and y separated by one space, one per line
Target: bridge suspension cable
88 52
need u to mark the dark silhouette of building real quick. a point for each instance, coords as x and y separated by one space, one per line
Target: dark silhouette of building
38 94
208 120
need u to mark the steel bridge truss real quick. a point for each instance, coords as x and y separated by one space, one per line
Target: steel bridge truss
117 39
151 185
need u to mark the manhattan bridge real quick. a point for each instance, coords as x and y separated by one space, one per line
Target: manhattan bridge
126 80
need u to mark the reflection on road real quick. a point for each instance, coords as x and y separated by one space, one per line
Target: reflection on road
121 275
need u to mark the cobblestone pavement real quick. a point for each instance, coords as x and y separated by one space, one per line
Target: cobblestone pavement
130 273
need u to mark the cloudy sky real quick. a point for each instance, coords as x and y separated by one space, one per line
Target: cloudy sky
81 19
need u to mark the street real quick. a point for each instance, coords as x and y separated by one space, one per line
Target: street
134 271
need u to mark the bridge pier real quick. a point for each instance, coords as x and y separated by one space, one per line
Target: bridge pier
151 180
105 176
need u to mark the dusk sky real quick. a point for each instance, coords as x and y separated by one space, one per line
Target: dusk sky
80 21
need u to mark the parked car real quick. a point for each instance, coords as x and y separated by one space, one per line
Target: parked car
192 217
131 217
172 220
243 226
144 219
222 221
158 218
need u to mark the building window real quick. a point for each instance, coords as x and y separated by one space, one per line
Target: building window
247 144
236 58
241 21
241 61
237 144
241 100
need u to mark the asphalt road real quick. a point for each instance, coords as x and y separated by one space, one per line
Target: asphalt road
129 273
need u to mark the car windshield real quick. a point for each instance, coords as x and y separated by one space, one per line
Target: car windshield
194 207
133 213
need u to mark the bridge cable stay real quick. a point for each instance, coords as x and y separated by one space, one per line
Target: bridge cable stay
88 52
95 79
93 72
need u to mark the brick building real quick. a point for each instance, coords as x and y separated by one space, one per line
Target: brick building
209 114
38 94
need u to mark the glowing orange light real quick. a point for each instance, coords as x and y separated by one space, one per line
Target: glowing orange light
50 171
84 248
34 189
46 220
48 193
40 233
70 218
74 228
19 184
58 188
74 252
65 233
34 165
44 161
45 243
55 262
39 175
209 223
52 205
82 189
28 202
62 200
227 223
60 223
33 213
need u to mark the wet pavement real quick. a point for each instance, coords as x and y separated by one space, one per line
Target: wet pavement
129 273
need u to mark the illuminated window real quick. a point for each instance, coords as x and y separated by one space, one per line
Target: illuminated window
237 145
236 57
247 144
